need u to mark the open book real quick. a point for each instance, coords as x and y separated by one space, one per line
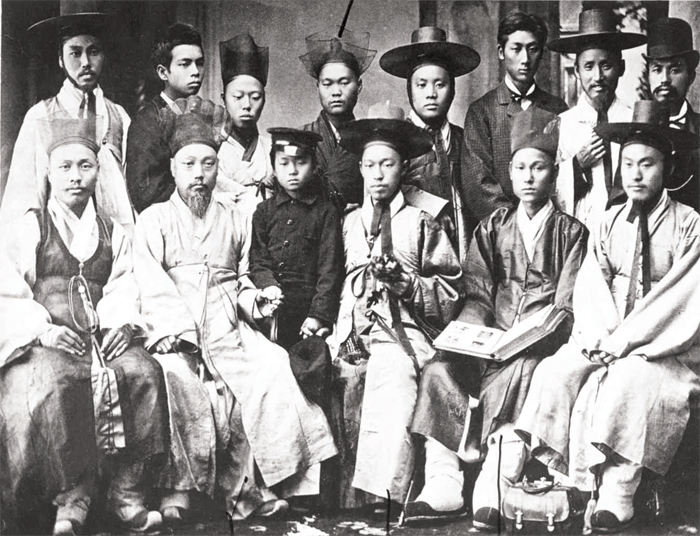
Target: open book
496 344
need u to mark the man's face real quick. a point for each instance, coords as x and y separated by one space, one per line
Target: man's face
82 59
669 80
642 170
533 173
431 93
521 55
381 168
73 170
338 88
194 169
293 172
599 71
244 98
184 74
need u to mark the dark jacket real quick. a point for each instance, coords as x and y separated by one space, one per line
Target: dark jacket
687 163
486 153
298 246
340 169
148 176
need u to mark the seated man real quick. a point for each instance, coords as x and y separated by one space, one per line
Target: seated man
53 262
402 284
232 392
636 332
521 260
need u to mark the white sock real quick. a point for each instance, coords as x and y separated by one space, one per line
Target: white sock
443 478
619 483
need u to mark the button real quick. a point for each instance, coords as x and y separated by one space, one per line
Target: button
104 141
286 243
290 221
281 265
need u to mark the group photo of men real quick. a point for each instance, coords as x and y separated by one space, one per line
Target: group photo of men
235 236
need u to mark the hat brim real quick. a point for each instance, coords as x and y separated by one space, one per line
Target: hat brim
410 140
44 35
682 140
615 40
693 56
459 59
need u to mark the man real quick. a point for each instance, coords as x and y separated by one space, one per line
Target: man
337 64
191 263
245 170
486 153
402 286
533 242
430 65
82 58
56 263
672 62
588 183
179 62
634 337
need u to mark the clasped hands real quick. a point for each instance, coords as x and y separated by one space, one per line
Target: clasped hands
114 342
270 298
601 357
388 270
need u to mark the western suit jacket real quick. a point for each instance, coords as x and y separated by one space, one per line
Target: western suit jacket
681 186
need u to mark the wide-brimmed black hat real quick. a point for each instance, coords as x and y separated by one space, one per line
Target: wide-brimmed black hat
385 123
649 122
429 45
240 55
597 29
48 33
199 121
351 49
292 141
669 37
535 128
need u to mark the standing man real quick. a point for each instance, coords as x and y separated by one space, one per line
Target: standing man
430 65
672 63
178 59
244 158
337 64
486 153
82 58
587 182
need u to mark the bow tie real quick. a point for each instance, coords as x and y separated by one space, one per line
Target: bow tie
516 97
679 122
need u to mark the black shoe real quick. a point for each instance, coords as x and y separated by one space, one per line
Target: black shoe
486 519
422 511
605 522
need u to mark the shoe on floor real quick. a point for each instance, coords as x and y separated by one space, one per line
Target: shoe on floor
422 511
64 527
273 508
605 522
172 516
486 519
148 521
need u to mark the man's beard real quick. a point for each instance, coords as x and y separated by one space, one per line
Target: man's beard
82 87
198 201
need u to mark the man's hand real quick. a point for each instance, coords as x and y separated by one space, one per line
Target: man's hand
601 358
268 300
401 285
591 152
63 338
165 345
116 341
313 326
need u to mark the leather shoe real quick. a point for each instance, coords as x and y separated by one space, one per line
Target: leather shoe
605 522
486 519
64 527
422 511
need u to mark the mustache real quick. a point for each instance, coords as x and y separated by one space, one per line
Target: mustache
86 71
672 90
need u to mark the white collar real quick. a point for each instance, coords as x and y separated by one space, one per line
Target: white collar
444 129
681 114
368 208
655 213
511 86
170 102
531 228
71 97
81 235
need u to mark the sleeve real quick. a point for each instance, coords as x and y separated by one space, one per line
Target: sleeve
148 176
325 303
247 291
261 263
574 254
436 291
120 297
480 277
22 320
163 310
482 192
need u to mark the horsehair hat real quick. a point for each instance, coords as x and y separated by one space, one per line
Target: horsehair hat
669 37
46 34
429 45
597 29
385 123
61 129
351 49
535 128
649 124
292 141
240 55
199 121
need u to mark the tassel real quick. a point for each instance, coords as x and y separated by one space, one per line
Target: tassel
590 508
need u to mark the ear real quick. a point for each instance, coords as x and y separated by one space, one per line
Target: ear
576 73
622 68
60 58
162 72
359 86
691 76
501 54
555 173
172 167
223 98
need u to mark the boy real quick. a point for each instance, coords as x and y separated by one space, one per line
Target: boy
521 260
178 60
402 283
635 304
297 246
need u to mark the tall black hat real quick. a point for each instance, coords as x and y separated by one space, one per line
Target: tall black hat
535 128
352 49
669 37
240 55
